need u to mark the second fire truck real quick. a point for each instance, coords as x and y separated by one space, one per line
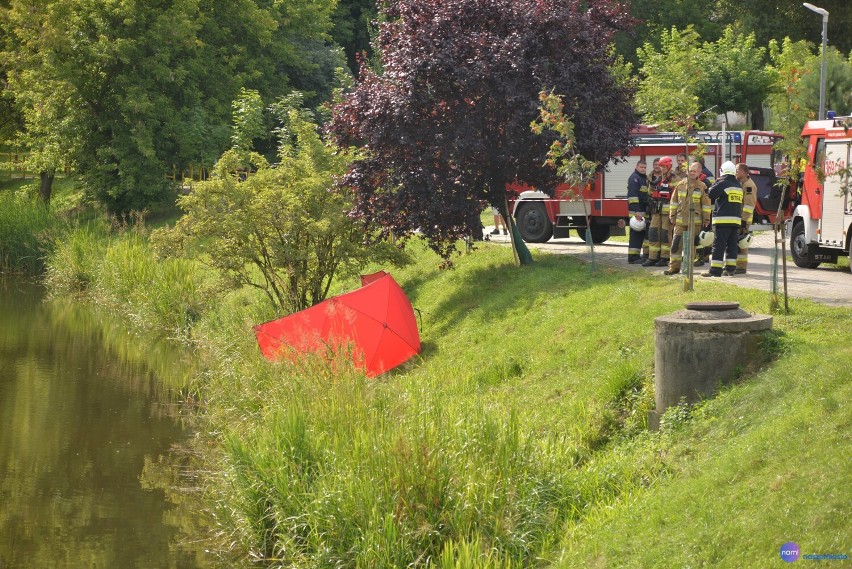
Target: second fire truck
541 216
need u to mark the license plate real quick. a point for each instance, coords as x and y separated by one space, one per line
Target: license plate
822 257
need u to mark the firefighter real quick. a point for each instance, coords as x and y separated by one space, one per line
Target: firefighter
655 170
706 175
680 172
637 204
727 197
749 201
659 207
689 193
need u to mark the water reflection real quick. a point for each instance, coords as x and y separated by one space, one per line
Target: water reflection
84 430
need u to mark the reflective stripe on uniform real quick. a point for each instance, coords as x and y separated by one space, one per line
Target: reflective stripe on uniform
726 220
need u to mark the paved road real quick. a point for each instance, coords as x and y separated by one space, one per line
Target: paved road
826 284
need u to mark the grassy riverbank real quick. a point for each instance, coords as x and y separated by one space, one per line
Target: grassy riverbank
26 230
518 437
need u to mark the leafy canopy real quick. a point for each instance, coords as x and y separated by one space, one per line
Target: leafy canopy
684 77
670 77
838 81
284 230
446 124
126 91
735 77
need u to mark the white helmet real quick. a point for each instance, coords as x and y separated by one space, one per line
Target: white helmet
705 238
728 168
744 241
637 224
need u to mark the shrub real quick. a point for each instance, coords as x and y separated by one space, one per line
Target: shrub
286 230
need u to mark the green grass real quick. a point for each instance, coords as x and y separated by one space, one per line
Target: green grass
521 426
518 436
763 464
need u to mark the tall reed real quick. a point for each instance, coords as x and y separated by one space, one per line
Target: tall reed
27 228
121 271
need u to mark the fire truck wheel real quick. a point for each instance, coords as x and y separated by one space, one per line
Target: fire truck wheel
600 233
533 223
799 248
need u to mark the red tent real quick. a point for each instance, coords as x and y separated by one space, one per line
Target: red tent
375 321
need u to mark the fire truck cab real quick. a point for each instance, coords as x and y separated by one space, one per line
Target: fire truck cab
541 215
821 223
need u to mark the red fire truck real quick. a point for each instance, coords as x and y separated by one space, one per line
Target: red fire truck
822 219
540 216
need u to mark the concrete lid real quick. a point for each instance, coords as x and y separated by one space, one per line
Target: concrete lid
712 305
716 313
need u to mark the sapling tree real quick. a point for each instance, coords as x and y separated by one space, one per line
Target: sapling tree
446 124
571 166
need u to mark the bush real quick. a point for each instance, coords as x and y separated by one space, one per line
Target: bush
286 230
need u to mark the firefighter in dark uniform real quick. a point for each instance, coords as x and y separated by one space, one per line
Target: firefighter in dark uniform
690 193
659 205
749 201
706 175
703 254
637 204
727 197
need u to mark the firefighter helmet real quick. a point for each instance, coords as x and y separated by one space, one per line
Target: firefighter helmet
705 238
665 161
744 241
637 224
728 169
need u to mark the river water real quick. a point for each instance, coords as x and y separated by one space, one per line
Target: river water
87 437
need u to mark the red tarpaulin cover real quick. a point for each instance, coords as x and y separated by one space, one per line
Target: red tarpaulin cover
376 321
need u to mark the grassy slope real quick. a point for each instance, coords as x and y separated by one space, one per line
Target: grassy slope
527 406
764 463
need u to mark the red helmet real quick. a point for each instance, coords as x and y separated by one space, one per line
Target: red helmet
666 161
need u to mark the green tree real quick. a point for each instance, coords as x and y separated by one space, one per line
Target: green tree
790 66
657 17
668 88
352 28
788 103
838 82
734 75
126 90
285 230
247 119
776 19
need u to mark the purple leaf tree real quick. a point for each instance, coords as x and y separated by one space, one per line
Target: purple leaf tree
446 124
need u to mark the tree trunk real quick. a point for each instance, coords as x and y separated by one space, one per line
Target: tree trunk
757 118
45 188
